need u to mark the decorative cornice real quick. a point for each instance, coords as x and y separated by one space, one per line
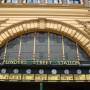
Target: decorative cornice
43 12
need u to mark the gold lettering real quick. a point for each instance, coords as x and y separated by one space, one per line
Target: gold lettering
28 77
15 77
40 77
66 77
4 76
79 77
87 76
53 77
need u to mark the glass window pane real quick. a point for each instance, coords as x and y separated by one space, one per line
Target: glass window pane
41 46
13 49
27 46
70 49
83 55
2 54
55 46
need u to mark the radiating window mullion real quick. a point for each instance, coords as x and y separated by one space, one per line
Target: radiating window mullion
63 48
48 46
34 48
78 57
5 53
20 46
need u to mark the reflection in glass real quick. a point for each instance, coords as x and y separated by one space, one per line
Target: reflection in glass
27 46
55 47
41 46
13 49
83 55
2 52
70 49
2 56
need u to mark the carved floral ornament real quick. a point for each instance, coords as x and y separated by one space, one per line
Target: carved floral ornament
86 26
48 25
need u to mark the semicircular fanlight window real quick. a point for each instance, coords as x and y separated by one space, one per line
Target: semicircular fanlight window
41 47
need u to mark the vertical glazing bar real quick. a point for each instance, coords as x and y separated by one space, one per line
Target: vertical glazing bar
48 46
19 53
5 53
78 57
34 48
63 51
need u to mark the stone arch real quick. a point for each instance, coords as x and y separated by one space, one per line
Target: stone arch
46 25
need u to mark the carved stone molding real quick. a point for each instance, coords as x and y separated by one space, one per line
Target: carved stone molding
42 22
3 21
86 26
